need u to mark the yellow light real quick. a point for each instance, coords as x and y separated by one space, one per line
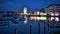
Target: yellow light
43 18
25 10
41 13
52 18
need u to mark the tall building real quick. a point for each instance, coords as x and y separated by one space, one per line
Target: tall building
54 8
25 10
54 11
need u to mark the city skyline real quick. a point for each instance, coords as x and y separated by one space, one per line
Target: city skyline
29 16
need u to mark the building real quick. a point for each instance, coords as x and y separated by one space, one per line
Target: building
54 11
25 10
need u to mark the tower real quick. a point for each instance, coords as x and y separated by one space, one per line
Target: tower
25 10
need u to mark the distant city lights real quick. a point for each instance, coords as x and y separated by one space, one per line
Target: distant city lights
43 18
41 13
38 15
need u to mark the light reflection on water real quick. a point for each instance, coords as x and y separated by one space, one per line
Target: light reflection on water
25 28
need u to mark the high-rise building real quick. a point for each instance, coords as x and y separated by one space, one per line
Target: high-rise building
54 11
25 10
54 8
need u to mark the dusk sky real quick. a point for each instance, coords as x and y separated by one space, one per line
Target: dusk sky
30 4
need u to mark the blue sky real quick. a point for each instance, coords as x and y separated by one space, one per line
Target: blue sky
19 5
30 4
